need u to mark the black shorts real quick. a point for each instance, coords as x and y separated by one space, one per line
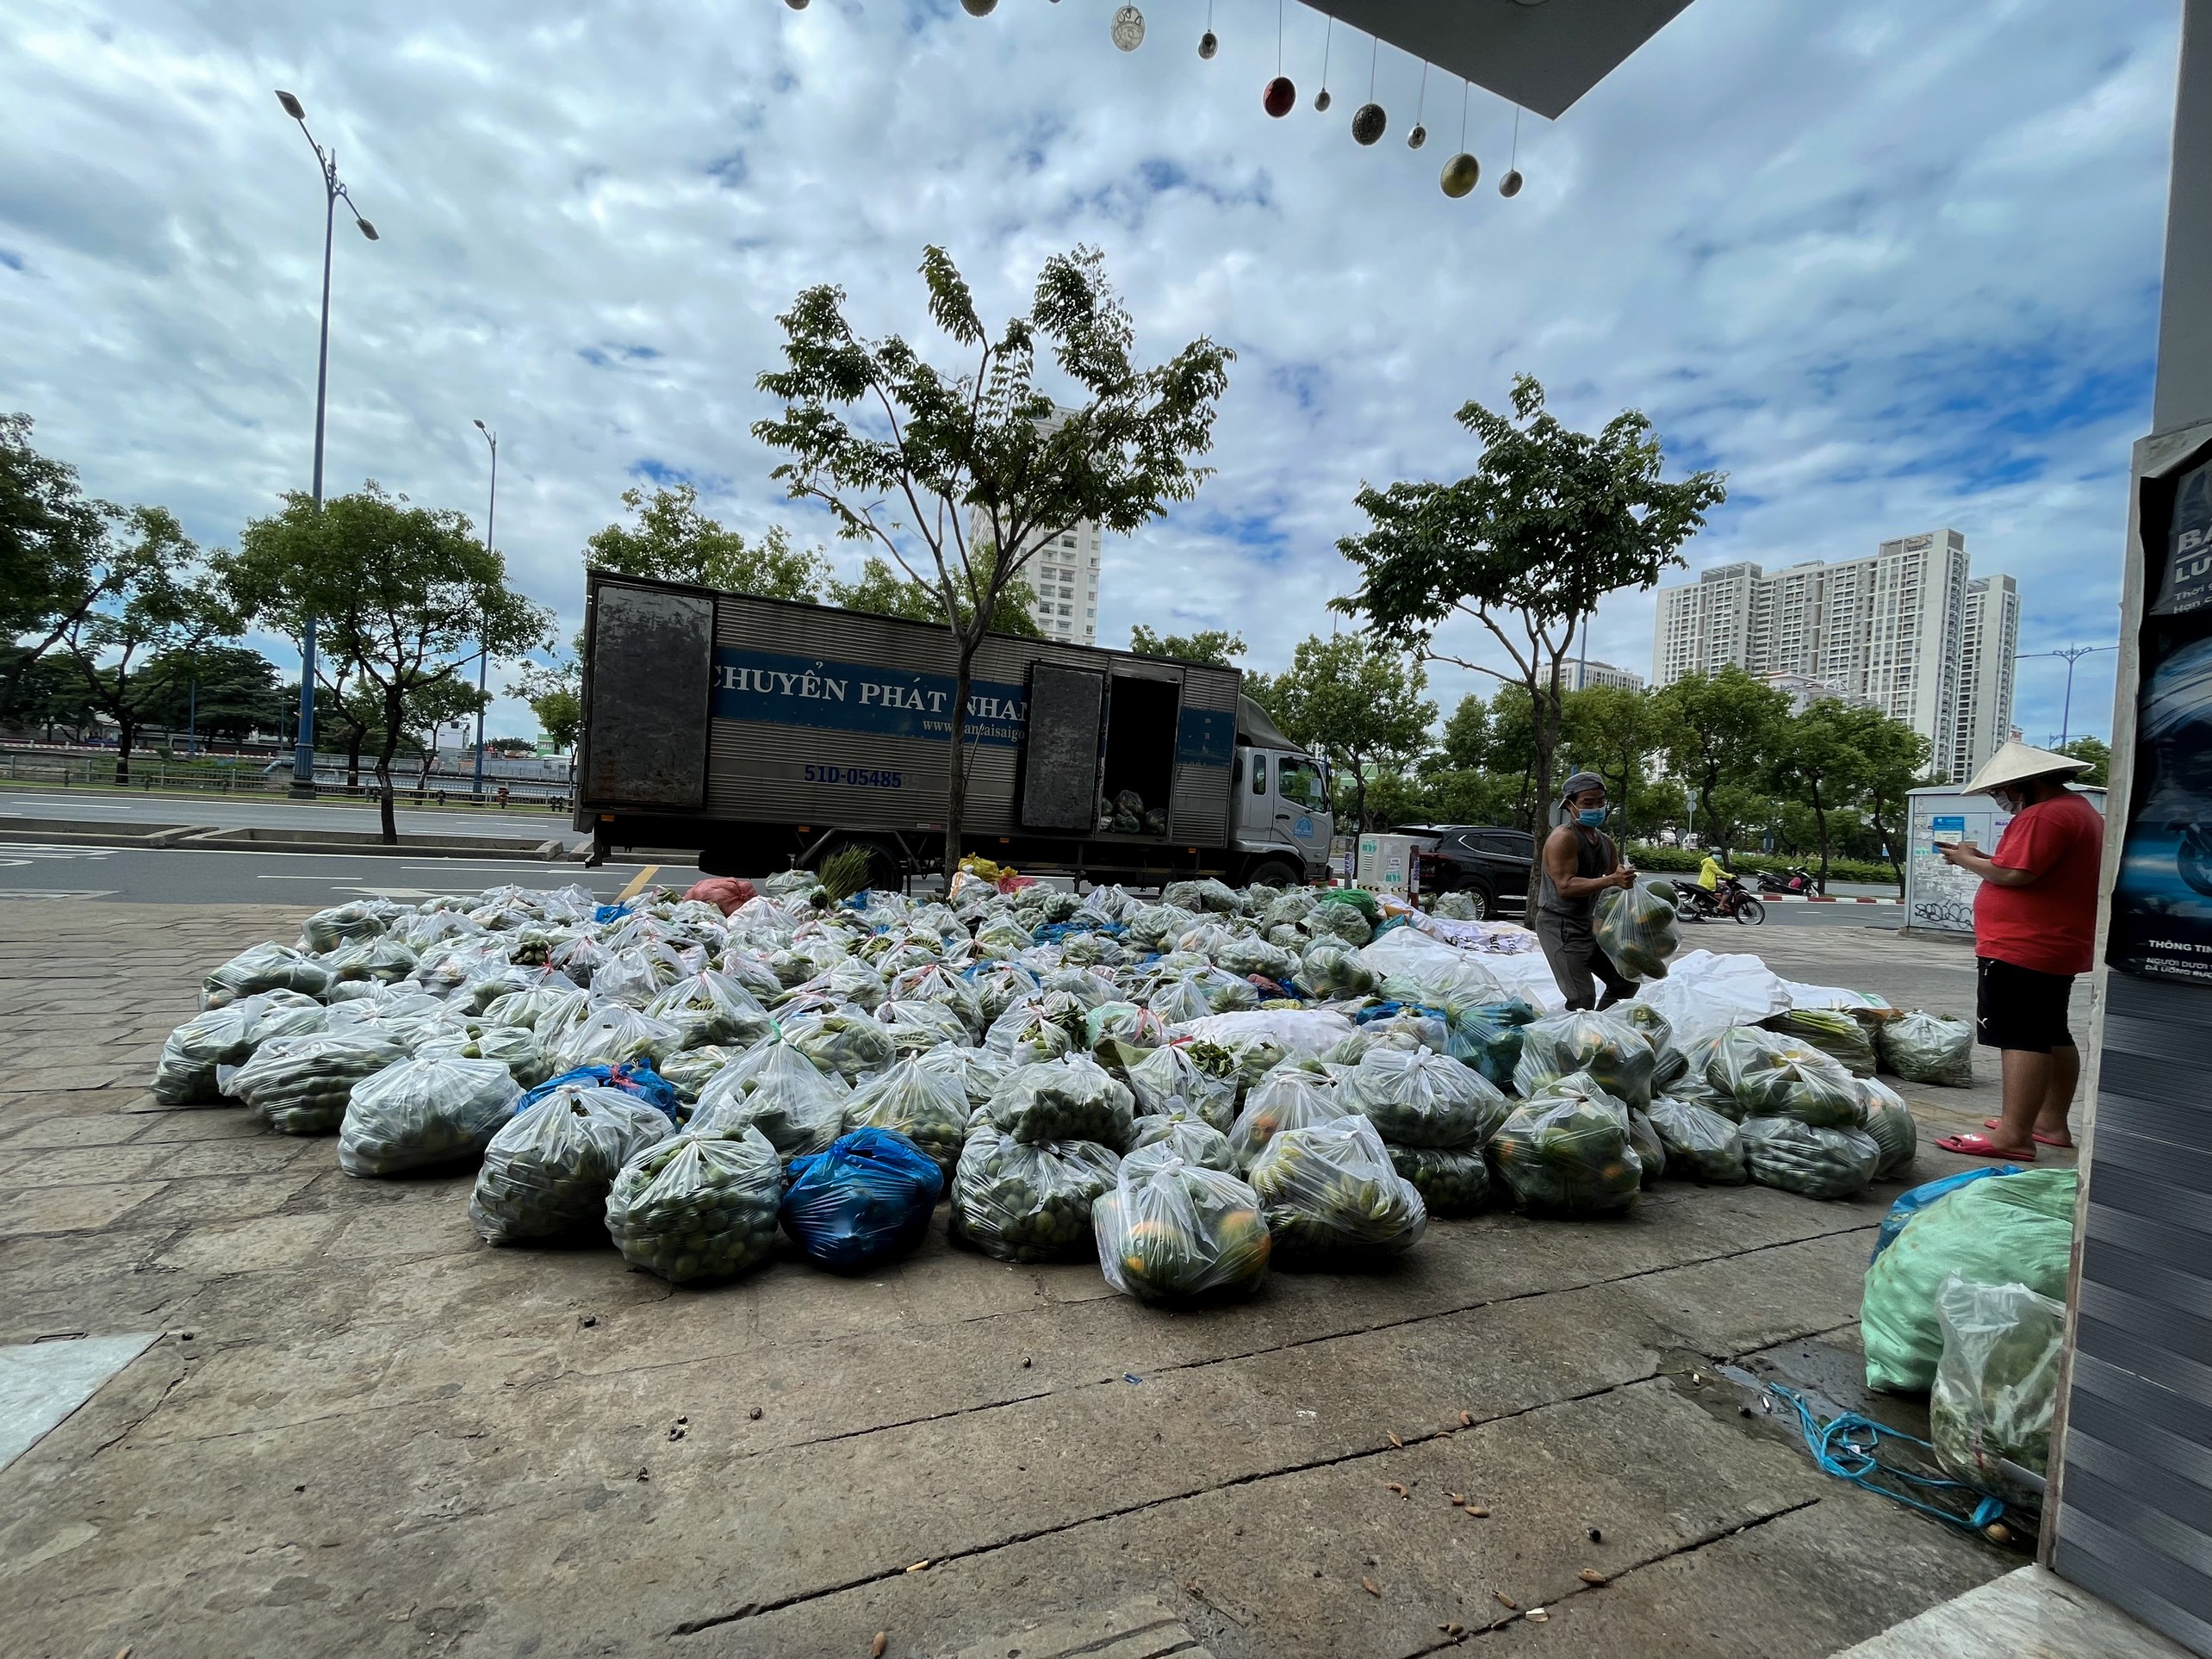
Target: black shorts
2016 1007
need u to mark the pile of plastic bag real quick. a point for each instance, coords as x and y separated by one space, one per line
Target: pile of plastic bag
1189 1086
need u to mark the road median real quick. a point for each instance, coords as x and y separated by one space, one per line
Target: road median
263 838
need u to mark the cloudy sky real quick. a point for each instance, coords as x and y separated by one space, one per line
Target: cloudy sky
1891 265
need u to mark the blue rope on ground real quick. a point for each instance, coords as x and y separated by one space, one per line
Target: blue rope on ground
1847 1444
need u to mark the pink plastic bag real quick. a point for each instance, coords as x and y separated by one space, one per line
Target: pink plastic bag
725 893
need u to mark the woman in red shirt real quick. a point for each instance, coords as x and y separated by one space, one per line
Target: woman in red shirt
2034 922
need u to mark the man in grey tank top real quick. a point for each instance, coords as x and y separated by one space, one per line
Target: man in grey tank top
1579 863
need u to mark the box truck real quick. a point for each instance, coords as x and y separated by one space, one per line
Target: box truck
760 733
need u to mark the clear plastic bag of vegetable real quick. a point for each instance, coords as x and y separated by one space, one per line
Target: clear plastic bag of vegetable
1837 1035
935 982
1024 1032
778 1090
382 958
1154 927
1997 1387
1818 1163
709 1008
1450 1183
917 1028
1331 1193
1650 1151
1668 1062
1566 1151
300 1085
1171 1229
1339 921
689 1071
928 1105
1184 998
1196 1076
1247 954
263 967
868 1198
1288 1097
1071 1099
1332 969
1024 1202
514 1047
542 1008
977 1072
1124 1022
695 1206
1179 1135
1636 926
418 1113
1924 1047
216 1038
1417 1098
1889 1121
1789 1078
547 1169
1614 1054
612 1033
1453 907
1700 1144
1487 1035
341 924
847 1042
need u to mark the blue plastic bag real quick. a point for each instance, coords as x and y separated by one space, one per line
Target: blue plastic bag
633 1078
867 1197
605 913
1909 1204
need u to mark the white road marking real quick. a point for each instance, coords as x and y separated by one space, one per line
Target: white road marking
73 805
277 875
24 852
57 892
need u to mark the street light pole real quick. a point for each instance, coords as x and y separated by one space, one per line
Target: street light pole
2072 654
484 657
303 752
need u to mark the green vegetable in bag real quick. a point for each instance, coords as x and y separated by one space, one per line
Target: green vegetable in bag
2004 1229
1417 1098
926 1104
514 1047
1289 1097
1449 1182
1331 1194
225 1036
1566 1151
301 1085
1170 1230
1699 1144
547 1169
778 1090
265 967
1996 1386
1332 969
1071 1099
1834 1033
1802 1158
1024 1202
1789 1078
697 1206
852 1043
1196 1076
1889 1121
1177 1135
1614 1054
418 1112
1488 1035
1635 927
1924 1048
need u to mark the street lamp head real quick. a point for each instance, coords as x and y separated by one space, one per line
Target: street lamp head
292 106
367 229
481 427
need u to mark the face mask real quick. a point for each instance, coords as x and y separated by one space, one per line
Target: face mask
1591 816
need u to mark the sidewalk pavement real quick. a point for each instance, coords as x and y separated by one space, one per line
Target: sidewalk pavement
362 1432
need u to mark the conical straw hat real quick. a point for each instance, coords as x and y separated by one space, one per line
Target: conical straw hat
2018 762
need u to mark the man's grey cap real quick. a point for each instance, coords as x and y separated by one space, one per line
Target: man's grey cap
1581 781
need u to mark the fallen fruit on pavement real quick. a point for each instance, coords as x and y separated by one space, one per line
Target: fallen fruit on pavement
1370 1586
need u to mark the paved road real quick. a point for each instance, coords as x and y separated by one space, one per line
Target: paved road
33 873
114 808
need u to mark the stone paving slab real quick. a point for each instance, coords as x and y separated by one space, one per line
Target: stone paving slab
366 1433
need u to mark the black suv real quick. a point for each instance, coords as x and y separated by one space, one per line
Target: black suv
1490 865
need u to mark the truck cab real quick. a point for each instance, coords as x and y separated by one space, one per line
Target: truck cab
1281 794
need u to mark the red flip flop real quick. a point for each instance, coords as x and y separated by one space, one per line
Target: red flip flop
2041 1139
1978 1146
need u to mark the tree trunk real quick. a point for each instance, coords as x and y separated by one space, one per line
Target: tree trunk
126 735
957 781
1543 744
1820 822
1358 796
390 747
353 759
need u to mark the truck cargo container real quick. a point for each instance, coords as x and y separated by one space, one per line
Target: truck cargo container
761 733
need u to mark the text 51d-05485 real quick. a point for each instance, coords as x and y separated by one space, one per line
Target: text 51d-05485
854 777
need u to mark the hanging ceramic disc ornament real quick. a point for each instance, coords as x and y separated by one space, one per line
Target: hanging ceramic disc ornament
1459 175
1322 102
1417 137
1207 46
1281 96
1129 29
1511 183
1368 123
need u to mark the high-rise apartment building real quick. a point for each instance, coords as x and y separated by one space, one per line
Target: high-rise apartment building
1889 630
1988 643
1579 674
1064 573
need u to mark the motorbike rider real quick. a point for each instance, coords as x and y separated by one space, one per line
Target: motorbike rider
1713 872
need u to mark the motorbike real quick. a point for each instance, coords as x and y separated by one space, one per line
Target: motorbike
1732 899
1798 880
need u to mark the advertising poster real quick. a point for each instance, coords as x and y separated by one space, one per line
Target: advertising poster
2162 901
1939 896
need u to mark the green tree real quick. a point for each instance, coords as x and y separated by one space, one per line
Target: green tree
1399 797
50 692
1817 760
406 596
1896 759
1354 701
938 453
555 696
218 691
432 705
2095 751
1614 731
1549 521
1466 746
155 604
1718 729
54 563
1214 646
884 591
671 539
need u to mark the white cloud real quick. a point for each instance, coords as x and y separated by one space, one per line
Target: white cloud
1890 269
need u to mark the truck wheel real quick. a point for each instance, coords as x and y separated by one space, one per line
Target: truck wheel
1276 873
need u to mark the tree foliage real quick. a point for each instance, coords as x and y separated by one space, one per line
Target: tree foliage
2097 753
907 457
1717 730
1549 521
1213 646
54 563
555 696
1353 701
405 596
218 691
670 539
884 591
